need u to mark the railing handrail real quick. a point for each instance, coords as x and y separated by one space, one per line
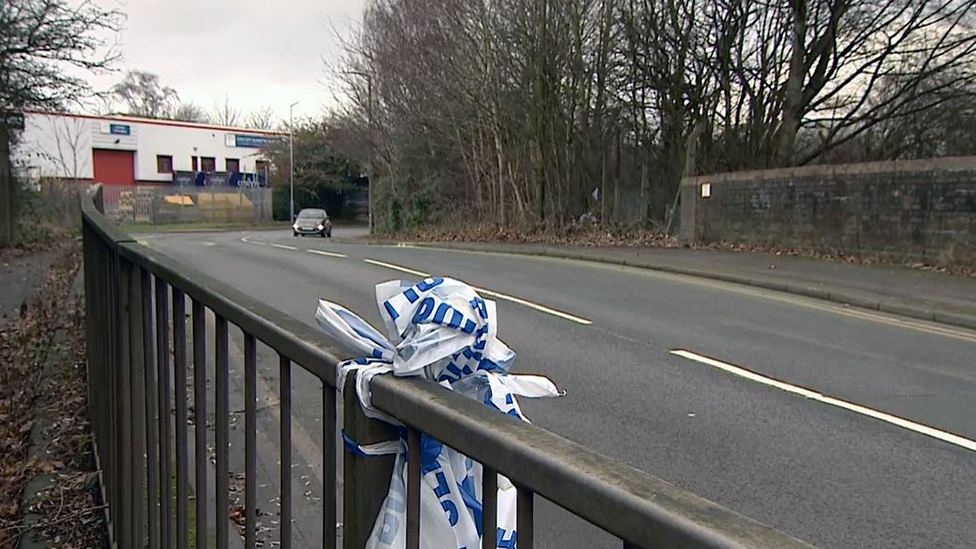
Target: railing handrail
624 501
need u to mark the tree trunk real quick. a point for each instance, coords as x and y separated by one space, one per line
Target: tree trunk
540 195
500 158
645 185
6 191
616 177
793 96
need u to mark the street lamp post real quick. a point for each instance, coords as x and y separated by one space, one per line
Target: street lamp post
291 161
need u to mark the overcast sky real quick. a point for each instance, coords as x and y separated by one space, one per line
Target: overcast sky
259 52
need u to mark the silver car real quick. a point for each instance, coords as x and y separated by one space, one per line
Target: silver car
312 221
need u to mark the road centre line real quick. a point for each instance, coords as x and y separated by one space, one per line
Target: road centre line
944 436
396 267
287 247
513 299
249 241
325 253
542 308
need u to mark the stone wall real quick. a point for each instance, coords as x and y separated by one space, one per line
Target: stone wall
919 210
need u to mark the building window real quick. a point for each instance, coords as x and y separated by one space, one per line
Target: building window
193 160
164 164
232 165
208 164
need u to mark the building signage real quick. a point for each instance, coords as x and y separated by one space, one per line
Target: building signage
119 129
254 141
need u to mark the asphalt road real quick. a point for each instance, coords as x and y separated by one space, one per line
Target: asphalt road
728 417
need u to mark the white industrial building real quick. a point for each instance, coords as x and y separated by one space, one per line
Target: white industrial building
124 150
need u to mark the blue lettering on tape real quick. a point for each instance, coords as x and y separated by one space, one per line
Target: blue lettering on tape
389 309
456 318
424 285
442 489
505 543
426 307
441 313
451 510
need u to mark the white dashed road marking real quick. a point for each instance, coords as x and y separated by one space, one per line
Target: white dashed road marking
513 299
944 436
322 252
395 267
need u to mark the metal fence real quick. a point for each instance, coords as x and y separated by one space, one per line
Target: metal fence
165 204
136 304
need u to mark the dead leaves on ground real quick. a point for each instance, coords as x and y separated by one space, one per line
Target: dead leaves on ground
582 233
52 409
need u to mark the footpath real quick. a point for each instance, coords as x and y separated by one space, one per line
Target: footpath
21 274
915 293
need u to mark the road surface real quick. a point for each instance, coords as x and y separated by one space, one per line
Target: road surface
788 410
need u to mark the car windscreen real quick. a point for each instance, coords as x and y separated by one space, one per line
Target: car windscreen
311 214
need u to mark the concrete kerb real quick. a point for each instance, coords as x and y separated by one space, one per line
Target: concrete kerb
908 311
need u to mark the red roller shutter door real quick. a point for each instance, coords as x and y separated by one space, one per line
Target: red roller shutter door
114 167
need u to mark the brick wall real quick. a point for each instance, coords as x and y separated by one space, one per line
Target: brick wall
922 210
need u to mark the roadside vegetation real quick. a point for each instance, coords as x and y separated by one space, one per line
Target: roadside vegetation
518 113
47 214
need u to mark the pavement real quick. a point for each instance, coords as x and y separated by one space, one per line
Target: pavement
843 426
20 276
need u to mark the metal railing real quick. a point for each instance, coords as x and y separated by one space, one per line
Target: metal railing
134 387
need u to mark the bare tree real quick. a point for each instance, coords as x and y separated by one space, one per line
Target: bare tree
144 95
41 39
224 113
843 49
189 112
514 111
261 119
44 44
71 151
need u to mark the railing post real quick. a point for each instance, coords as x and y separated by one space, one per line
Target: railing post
148 373
137 411
221 429
163 400
126 448
111 289
285 462
98 199
200 420
366 480
329 466
179 386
